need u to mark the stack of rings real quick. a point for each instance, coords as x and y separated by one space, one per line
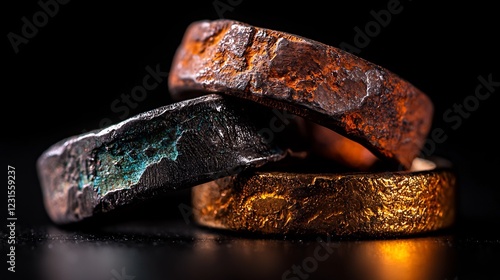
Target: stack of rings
228 78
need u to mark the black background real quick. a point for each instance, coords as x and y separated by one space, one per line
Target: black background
64 80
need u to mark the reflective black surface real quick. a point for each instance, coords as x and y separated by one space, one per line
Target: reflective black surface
176 250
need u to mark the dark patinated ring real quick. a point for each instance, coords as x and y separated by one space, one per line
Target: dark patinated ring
172 147
358 99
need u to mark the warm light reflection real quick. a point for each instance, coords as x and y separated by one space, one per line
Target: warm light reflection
403 259
70 255
332 145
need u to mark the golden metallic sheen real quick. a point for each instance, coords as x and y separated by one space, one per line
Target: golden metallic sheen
354 204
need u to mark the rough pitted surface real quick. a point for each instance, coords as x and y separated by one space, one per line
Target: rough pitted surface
357 204
352 96
172 147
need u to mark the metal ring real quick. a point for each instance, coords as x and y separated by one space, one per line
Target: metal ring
176 146
358 99
351 204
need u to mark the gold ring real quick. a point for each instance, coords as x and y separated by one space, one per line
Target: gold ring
352 204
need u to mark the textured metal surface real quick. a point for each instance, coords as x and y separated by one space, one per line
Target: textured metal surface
172 147
355 204
354 97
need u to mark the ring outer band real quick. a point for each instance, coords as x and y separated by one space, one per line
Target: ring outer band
356 204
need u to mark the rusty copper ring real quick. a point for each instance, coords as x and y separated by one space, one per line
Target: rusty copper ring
361 204
351 96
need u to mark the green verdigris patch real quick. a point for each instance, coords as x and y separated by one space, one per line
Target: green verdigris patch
121 163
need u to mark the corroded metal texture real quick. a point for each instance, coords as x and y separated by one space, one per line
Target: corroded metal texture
172 147
345 93
354 204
